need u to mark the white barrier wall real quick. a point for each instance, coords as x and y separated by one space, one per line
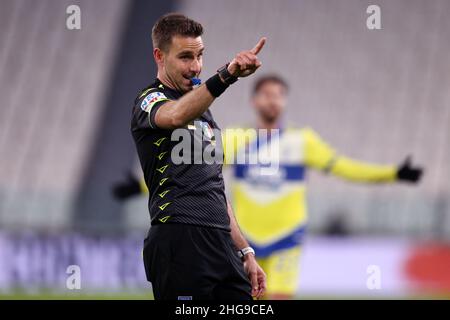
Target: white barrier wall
354 267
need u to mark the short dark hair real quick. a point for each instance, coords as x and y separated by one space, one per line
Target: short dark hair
174 24
269 78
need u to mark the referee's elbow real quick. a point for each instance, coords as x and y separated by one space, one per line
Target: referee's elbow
169 120
178 122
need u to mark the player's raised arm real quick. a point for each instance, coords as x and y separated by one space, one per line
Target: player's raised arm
176 114
320 155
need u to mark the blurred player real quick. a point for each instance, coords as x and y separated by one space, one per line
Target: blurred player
271 209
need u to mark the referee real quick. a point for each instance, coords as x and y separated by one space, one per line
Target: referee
194 248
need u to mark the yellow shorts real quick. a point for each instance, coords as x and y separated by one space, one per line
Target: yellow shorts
282 270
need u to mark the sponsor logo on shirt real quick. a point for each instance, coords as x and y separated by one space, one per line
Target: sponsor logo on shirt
150 100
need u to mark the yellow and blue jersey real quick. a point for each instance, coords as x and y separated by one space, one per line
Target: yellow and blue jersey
269 196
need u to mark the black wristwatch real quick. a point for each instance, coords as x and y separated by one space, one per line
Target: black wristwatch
226 76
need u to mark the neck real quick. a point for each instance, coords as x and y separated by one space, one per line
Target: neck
267 124
166 81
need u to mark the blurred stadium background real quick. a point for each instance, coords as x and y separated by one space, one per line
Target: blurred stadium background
375 95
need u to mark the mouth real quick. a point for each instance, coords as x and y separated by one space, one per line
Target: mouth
188 79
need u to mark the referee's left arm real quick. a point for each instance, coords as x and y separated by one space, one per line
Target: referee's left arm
238 238
254 271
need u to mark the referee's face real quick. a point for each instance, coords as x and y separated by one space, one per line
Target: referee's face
269 101
183 61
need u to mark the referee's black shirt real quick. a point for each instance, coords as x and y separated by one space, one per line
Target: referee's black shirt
178 193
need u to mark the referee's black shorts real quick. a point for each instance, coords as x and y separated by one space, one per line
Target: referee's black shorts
186 262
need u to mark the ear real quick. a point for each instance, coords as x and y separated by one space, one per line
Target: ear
158 55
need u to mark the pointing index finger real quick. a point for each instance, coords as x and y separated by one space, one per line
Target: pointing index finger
259 46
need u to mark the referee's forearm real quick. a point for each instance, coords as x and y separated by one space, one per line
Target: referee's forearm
177 114
236 234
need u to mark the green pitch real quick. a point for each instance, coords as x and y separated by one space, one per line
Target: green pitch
149 296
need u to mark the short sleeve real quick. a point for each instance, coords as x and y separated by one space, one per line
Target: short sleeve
146 106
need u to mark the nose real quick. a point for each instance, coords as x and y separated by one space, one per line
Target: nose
196 66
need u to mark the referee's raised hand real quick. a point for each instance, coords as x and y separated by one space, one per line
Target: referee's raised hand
246 62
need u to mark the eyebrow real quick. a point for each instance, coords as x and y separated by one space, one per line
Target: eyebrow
190 52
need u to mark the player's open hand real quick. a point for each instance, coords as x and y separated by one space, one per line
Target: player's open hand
246 62
256 275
